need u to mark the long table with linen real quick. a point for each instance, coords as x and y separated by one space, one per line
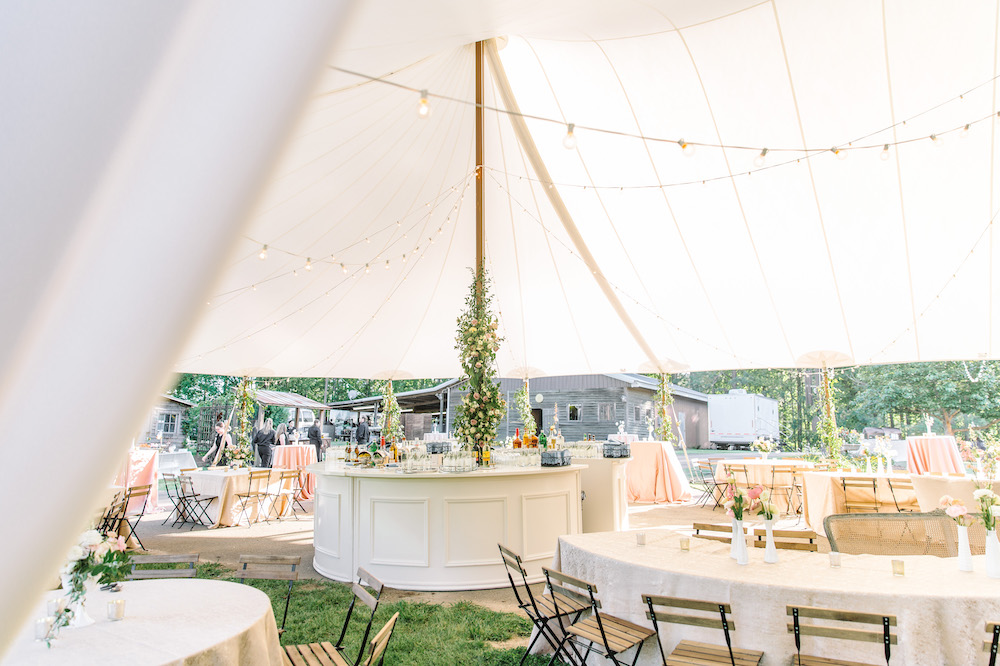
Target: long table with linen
930 489
933 454
297 456
139 469
760 471
225 484
167 621
654 474
941 611
172 462
823 495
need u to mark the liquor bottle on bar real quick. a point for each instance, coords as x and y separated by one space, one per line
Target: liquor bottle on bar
393 452
477 454
543 442
517 438
487 455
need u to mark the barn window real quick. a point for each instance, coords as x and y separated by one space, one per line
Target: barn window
637 413
606 411
574 413
167 423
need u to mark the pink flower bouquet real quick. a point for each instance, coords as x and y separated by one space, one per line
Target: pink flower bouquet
956 510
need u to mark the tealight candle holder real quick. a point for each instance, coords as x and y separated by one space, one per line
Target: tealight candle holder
116 610
43 626
640 538
685 543
897 567
55 606
834 559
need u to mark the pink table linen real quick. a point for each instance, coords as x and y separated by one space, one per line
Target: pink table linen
141 468
296 456
655 475
933 454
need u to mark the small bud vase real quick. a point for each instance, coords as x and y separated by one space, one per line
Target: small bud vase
770 550
738 547
80 616
964 551
868 465
992 554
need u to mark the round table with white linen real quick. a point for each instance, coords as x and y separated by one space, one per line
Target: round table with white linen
226 511
167 621
940 610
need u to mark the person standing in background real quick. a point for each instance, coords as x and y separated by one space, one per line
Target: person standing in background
315 434
361 434
281 435
263 441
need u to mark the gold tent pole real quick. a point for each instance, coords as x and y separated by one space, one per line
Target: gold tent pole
480 189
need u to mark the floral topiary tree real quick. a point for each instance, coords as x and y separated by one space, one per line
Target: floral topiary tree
390 421
523 402
477 342
828 419
664 399
241 450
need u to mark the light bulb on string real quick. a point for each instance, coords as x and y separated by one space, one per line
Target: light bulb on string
686 148
842 155
965 131
424 105
386 264
759 160
343 269
309 264
884 155
836 151
253 287
295 273
569 141
263 253
367 269
937 140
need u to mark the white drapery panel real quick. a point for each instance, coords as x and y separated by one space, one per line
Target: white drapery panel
719 261
134 139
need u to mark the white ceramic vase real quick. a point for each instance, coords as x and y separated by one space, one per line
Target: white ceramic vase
868 465
770 550
738 548
80 616
964 551
880 470
992 554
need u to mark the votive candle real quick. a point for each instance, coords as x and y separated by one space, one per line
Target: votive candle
640 538
42 627
116 609
897 567
834 559
685 543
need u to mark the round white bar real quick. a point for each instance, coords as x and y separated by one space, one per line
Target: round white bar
434 531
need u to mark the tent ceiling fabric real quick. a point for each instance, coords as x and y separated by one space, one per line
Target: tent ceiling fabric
864 259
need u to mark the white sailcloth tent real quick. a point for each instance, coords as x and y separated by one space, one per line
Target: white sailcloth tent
747 184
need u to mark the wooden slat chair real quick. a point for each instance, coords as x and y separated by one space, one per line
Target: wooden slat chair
289 488
782 484
883 635
991 646
109 519
711 489
798 492
256 493
195 503
324 654
369 599
860 494
740 474
604 634
134 496
173 488
903 494
272 567
144 574
713 532
713 616
541 609
788 539
185 470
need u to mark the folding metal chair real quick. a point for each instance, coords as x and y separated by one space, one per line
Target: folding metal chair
713 615
325 654
799 628
272 567
540 610
369 599
129 515
173 488
903 494
256 493
195 504
110 518
712 489
144 574
782 483
991 646
616 635
856 493
290 493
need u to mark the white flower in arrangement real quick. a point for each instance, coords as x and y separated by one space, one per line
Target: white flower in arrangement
983 493
76 553
91 538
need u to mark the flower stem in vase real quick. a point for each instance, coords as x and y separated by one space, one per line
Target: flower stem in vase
770 550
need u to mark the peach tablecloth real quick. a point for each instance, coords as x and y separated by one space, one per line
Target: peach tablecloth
759 469
933 454
823 494
655 475
297 456
141 468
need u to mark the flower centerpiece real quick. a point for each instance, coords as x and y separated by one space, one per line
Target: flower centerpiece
93 559
957 511
739 500
988 500
763 446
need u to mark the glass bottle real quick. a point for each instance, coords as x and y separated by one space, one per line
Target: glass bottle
543 441
477 454
517 438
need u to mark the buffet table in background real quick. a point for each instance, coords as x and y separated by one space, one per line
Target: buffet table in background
940 610
655 474
167 621
297 456
140 469
933 454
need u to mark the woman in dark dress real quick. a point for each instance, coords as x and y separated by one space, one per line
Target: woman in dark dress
219 451
264 443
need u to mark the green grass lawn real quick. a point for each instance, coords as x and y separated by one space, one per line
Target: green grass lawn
425 634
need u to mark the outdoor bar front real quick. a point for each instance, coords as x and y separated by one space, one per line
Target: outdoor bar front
437 531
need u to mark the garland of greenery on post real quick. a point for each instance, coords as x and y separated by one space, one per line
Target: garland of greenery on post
241 450
523 403
828 420
390 421
477 342
664 399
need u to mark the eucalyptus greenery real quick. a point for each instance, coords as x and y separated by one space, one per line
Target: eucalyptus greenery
522 400
390 420
664 399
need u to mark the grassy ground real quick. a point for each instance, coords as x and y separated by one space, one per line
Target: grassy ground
425 634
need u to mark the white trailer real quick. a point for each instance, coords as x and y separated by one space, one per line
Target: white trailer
739 418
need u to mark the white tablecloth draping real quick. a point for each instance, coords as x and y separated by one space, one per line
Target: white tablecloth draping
224 484
930 488
627 438
174 621
941 611
172 462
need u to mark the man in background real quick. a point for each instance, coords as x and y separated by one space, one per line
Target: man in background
315 434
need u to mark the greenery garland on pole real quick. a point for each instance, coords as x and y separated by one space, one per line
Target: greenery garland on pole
828 419
664 400
477 341
390 420
241 449
523 402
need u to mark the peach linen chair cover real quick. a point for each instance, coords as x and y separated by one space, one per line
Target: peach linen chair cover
142 468
159 150
933 454
655 475
297 456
